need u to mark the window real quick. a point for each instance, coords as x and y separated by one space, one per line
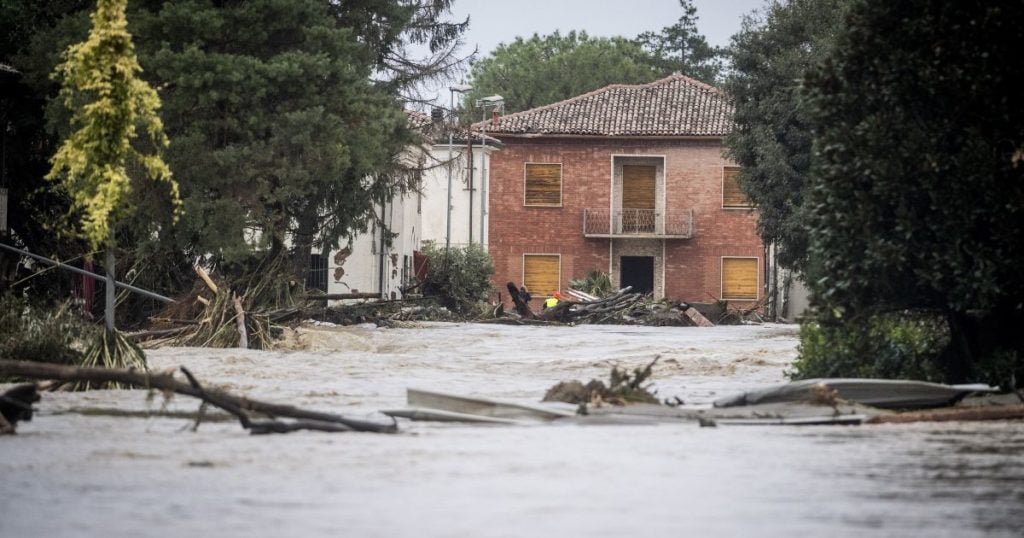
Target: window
732 195
739 278
541 274
316 278
543 185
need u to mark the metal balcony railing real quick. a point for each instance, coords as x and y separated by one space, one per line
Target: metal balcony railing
638 223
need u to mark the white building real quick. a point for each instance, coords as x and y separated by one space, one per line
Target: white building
371 265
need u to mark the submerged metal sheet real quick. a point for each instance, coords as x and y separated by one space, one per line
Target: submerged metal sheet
884 393
482 406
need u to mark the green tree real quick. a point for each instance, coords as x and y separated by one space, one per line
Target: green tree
285 117
681 48
276 124
773 137
542 70
917 199
109 103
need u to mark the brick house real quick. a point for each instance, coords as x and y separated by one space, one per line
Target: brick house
630 180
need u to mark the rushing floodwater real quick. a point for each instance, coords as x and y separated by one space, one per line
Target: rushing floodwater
73 474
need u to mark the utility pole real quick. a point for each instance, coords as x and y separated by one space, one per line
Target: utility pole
497 102
462 88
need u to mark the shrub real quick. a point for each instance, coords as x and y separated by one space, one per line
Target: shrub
889 346
460 278
31 332
596 283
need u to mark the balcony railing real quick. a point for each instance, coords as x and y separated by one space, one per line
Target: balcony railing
638 223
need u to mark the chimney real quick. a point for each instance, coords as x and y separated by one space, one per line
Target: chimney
494 118
437 115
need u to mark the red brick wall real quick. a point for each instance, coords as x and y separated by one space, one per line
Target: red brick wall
693 179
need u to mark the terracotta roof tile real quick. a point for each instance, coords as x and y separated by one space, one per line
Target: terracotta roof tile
673 106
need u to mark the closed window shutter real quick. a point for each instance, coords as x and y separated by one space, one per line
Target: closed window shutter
540 274
739 278
638 187
543 184
732 195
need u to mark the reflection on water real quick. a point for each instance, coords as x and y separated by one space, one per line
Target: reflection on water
68 474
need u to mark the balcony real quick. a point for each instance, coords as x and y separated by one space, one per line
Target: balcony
638 223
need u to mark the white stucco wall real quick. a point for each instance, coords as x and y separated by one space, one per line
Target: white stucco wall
416 217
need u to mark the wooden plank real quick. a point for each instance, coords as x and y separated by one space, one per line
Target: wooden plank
697 318
739 278
732 194
541 274
543 184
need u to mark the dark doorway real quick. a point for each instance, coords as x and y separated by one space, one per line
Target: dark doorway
638 271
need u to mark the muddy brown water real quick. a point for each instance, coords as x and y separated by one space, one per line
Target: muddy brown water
68 473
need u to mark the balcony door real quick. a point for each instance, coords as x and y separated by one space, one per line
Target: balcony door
638 188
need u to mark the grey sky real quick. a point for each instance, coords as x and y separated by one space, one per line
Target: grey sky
493 22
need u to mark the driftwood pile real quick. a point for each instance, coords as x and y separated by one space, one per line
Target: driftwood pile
624 387
16 403
621 307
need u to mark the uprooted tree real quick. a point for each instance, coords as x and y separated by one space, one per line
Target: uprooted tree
16 403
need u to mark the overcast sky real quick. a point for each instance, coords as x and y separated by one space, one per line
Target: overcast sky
493 22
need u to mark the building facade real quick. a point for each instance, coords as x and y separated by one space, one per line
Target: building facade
630 180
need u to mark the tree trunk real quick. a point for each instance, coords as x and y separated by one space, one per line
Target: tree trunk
302 246
958 356
241 407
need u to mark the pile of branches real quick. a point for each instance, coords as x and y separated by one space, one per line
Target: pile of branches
382 313
590 311
624 387
622 307
215 315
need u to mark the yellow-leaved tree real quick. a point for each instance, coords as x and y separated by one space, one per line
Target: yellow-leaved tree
110 104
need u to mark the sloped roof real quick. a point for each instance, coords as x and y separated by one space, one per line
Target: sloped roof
673 106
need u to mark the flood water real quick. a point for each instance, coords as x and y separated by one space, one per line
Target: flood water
71 473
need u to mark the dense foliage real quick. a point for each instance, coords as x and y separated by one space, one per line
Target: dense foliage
773 137
916 202
680 48
460 277
890 346
285 120
110 104
540 70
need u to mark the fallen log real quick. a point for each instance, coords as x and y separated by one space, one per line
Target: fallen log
1009 412
239 406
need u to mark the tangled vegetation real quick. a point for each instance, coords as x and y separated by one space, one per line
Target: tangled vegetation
32 332
460 277
596 283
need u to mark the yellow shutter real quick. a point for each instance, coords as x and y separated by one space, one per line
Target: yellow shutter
739 278
732 195
638 187
543 184
540 274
